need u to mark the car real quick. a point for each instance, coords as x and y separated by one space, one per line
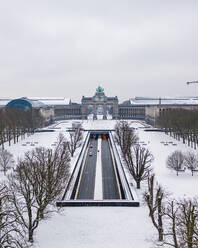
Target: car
90 154
91 146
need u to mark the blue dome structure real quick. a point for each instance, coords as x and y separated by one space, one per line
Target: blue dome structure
25 104
41 113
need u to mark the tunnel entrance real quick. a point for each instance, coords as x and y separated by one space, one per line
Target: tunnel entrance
96 134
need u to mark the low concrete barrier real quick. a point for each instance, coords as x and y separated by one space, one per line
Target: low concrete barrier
97 203
72 184
154 130
44 130
127 190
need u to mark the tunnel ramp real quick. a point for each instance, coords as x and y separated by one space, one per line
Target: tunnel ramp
117 191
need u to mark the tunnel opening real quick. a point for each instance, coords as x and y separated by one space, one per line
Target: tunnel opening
95 135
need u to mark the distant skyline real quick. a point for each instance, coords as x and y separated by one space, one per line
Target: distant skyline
67 48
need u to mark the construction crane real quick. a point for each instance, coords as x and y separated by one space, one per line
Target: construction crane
192 82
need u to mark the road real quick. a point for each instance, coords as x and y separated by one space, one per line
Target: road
110 189
87 184
87 181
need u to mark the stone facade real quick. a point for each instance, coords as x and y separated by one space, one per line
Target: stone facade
153 112
131 112
142 108
99 104
65 112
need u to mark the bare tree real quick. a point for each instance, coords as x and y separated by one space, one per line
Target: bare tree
191 161
138 160
154 199
189 222
38 181
49 174
181 124
175 161
125 136
11 232
172 224
183 223
5 159
75 138
17 122
175 221
2 128
22 198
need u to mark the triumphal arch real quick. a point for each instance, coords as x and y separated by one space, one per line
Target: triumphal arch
100 104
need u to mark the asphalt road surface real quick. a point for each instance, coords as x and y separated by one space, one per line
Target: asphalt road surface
87 184
110 189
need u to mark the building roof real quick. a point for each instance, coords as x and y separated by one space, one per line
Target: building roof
52 101
39 101
4 102
164 101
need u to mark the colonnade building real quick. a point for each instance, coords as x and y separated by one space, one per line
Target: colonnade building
142 108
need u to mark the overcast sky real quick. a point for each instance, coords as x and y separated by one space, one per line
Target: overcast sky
68 48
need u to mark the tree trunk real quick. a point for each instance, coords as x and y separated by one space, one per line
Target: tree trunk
160 223
9 139
42 213
30 236
160 235
14 136
138 184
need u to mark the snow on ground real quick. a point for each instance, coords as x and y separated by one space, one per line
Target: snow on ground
99 124
96 227
44 139
31 142
183 185
109 227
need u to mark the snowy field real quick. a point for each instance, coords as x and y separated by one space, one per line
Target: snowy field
183 185
107 226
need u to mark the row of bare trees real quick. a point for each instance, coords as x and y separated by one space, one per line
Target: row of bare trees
137 158
30 194
17 122
6 160
73 142
180 161
75 138
176 221
11 233
181 124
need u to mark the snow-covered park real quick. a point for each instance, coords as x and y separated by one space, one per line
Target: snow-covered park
109 227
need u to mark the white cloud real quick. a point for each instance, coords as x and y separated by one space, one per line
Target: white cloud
68 47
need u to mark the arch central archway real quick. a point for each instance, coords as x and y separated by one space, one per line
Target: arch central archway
101 105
